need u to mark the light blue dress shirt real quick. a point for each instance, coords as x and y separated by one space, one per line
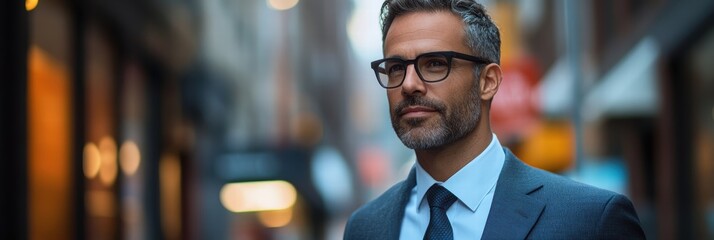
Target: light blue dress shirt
473 185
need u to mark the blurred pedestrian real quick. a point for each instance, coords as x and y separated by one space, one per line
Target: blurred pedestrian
441 71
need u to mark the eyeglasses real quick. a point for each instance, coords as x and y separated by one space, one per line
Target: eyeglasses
430 67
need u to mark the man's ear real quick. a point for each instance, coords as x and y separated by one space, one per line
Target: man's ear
489 82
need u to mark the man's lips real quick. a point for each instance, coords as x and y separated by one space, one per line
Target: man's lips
416 111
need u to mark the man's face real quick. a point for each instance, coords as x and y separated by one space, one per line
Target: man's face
430 115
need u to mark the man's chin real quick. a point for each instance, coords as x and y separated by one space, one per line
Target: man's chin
411 131
417 138
416 145
413 122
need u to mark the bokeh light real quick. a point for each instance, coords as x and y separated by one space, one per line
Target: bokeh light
277 218
92 160
129 158
282 4
31 4
108 169
258 196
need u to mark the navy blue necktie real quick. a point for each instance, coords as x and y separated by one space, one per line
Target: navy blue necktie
440 199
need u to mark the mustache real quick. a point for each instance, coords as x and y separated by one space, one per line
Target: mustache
419 101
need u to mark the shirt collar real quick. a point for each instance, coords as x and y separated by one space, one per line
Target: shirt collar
482 170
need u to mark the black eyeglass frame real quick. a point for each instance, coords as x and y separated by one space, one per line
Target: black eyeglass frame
448 54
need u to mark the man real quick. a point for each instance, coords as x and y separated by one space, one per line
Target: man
441 73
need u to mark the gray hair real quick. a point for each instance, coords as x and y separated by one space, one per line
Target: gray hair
482 34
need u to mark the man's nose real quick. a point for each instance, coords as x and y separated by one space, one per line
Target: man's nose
412 83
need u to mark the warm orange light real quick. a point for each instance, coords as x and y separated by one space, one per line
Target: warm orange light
282 4
49 146
550 147
258 196
31 4
129 157
108 169
277 218
170 180
92 160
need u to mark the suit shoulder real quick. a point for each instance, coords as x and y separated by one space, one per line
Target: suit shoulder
371 218
562 186
378 205
547 185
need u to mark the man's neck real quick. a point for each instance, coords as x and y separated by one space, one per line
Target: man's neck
443 162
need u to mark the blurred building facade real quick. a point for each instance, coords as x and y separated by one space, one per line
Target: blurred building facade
633 92
136 111
134 119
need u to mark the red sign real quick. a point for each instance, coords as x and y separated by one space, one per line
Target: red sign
515 109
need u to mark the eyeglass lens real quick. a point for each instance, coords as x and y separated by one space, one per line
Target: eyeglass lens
429 67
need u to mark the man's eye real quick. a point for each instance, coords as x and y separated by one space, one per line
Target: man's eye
395 69
435 63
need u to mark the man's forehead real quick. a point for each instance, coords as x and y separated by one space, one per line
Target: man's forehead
416 32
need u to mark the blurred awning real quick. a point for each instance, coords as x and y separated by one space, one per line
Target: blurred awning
556 89
630 88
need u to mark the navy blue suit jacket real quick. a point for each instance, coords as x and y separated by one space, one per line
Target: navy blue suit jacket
529 203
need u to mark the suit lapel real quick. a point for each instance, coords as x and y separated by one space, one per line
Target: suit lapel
394 210
513 212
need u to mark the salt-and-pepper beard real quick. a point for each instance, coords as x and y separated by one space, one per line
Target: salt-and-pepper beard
450 126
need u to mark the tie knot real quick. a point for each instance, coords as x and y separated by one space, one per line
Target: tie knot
440 197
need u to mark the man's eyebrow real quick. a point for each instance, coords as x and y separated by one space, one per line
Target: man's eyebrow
395 56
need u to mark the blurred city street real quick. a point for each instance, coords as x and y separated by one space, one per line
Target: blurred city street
261 119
